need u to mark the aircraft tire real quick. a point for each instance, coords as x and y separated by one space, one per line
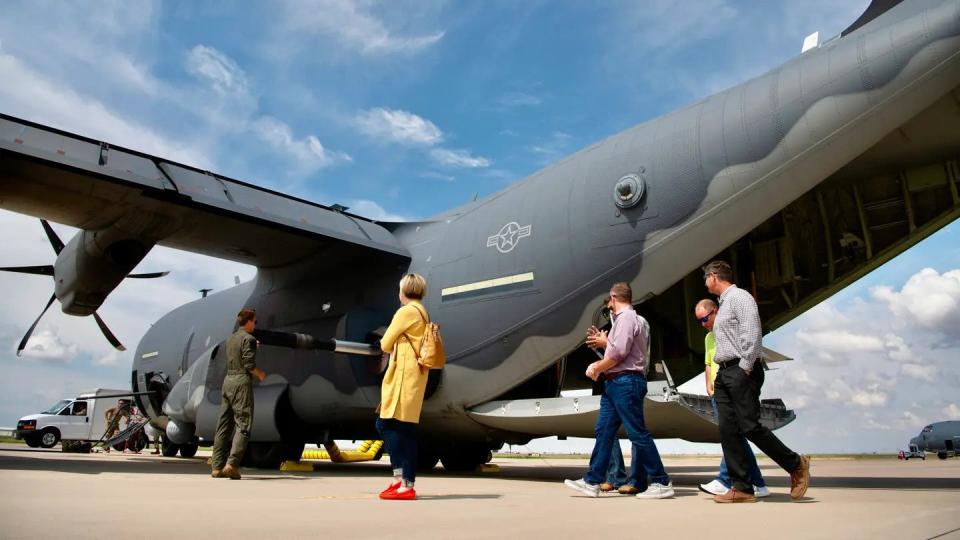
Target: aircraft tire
49 438
270 455
465 459
188 450
942 454
168 448
426 459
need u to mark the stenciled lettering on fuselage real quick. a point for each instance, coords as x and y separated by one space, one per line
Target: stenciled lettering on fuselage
509 236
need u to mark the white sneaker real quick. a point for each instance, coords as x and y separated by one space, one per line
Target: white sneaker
715 487
590 490
761 492
657 491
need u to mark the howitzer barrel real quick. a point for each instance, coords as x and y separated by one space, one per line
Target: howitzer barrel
295 340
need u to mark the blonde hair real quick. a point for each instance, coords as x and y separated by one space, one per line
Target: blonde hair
413 286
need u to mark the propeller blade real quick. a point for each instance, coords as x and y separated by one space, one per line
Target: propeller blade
52 236
45 270
26 338
144 276
108 334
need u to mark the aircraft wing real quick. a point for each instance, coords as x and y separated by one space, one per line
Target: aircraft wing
91 184
770 356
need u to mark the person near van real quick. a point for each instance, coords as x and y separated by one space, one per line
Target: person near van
706 313
403 388
236 398
739 340
624 368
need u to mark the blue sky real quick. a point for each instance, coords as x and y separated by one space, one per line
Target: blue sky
401 110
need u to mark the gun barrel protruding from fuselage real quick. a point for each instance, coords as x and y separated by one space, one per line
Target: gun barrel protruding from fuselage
296 340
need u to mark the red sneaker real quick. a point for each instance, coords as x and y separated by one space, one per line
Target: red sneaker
391 488
395 495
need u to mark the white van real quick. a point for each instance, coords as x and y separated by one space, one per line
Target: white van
78 420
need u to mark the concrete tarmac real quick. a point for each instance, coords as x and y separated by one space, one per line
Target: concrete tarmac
46 493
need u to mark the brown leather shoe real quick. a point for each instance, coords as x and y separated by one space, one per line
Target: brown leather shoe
627 489
217 473
605 487
735 496
231 472
800 478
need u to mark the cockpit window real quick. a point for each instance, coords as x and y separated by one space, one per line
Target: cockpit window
927 429
57 407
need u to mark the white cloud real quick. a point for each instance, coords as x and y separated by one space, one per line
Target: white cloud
308 151
920 371
110 358
372 210
406 128
952 411
840 341
352 26
37 98
928 299
870 397
398 126
216 69
45 345
458 158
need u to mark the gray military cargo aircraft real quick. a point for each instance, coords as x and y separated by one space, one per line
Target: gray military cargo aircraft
941 438
804 178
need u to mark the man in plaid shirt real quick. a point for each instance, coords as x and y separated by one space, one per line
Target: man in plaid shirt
737 389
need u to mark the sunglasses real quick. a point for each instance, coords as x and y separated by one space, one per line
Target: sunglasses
706 318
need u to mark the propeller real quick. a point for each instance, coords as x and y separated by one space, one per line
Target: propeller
47 270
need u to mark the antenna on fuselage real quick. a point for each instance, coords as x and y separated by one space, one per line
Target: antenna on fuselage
204 292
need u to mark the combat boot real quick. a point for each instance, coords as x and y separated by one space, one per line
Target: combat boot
231 472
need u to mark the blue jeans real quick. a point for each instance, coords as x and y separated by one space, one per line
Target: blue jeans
401 441
617 474
622 404
756 478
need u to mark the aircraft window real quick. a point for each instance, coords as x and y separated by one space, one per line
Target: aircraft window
628 191
927 429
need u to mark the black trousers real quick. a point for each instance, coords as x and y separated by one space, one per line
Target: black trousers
738 405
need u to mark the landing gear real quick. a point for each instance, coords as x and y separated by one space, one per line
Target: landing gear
167 448
269 455
188 450
465 458
427 459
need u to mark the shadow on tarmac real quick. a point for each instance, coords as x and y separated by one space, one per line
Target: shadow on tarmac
29 459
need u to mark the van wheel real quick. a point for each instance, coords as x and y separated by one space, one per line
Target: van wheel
33 441
49 438
188 450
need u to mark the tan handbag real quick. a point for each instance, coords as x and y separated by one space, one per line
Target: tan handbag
431 354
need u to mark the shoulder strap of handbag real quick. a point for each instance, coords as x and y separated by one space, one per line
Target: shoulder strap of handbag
406 337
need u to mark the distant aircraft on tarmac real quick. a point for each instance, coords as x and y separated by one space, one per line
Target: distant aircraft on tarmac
940 437
804 178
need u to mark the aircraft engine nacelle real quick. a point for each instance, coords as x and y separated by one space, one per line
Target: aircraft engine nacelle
91 266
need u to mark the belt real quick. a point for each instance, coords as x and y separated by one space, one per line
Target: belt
612 376
728 363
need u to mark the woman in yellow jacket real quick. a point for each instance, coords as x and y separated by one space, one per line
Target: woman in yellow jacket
404 384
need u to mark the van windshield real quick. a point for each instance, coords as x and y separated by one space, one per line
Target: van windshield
56 408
